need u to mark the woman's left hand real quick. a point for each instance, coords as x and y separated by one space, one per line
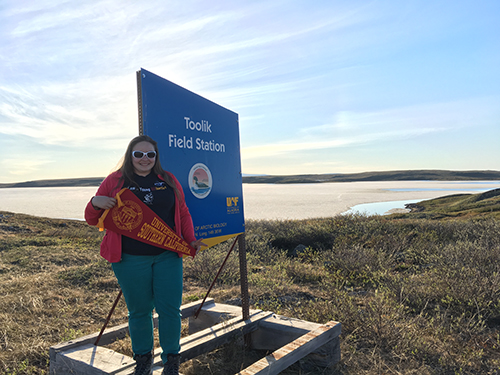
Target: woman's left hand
198 244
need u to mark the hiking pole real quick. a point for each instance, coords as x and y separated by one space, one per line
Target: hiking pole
216 276
108 318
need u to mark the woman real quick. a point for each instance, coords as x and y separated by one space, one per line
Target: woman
150 277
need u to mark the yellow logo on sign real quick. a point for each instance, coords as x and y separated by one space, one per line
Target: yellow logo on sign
232 201
232 205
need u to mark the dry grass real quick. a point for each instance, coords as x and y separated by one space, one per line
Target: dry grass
415 296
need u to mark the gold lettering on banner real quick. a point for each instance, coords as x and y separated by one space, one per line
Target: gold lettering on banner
172 243
149 233
160 226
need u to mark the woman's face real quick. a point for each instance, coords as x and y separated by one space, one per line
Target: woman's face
143 165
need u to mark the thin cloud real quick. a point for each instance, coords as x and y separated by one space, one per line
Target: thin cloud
297 147
69 113
25 167
439 116
329 77
354 129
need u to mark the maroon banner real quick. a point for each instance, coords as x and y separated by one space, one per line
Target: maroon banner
132 218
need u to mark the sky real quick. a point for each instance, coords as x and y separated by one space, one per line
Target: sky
320 86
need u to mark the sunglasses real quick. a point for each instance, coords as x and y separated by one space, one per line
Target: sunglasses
140 154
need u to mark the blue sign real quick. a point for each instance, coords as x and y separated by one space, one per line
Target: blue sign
199 143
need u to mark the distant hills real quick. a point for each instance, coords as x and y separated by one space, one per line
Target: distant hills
408 175
91 181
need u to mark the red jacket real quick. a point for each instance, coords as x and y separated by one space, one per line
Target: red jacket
111 246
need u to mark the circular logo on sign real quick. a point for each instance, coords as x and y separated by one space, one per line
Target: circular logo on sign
200 180
128 217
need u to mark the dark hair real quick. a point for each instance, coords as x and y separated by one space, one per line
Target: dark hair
127 167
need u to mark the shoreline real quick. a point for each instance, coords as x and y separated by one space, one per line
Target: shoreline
295 202
261 201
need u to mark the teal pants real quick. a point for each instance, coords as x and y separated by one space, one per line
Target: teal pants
152 282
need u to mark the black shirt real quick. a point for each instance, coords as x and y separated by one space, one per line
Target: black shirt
158 196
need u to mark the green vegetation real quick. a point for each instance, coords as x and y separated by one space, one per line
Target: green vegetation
460 206
415 294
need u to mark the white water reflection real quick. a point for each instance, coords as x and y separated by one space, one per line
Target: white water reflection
264 201
381 208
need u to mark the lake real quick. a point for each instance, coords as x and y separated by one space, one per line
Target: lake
264 201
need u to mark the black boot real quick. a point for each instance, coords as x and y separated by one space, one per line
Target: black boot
172 365
144 364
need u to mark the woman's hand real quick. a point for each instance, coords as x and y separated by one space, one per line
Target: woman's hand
198 244
102 202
